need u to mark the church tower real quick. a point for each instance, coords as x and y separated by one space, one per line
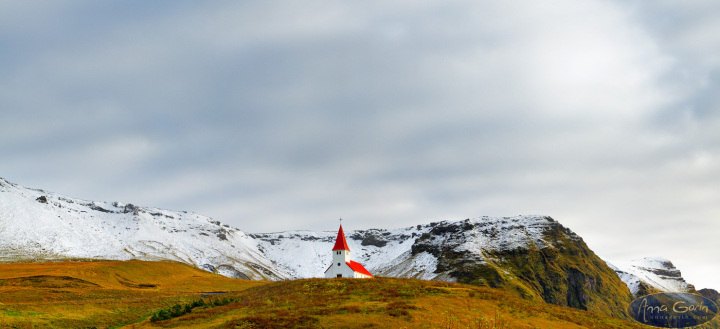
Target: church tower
341 251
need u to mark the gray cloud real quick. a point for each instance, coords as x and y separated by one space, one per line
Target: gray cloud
273 117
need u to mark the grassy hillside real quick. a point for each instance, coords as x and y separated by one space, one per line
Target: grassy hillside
384 303
99 294
126 294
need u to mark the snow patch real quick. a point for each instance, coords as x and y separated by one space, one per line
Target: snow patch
44 225
656 272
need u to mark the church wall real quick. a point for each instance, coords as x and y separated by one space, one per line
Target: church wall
343 269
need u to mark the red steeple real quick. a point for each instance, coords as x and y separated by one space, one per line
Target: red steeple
340 243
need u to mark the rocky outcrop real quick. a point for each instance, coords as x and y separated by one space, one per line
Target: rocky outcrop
651 275
538 259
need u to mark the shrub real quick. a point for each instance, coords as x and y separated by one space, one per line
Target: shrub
178 310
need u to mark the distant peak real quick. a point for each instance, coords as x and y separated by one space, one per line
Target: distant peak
654 262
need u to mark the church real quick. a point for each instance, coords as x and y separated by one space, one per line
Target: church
342 266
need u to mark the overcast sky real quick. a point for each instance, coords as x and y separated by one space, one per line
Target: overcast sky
274 116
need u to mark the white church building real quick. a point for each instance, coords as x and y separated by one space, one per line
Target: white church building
342 266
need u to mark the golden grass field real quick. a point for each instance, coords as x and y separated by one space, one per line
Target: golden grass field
104 294
113 294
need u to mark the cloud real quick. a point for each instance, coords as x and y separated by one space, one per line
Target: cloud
385 113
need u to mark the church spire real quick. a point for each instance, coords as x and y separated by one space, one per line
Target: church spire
340 243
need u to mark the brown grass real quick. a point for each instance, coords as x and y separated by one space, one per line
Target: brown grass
126 294
99 294
385 303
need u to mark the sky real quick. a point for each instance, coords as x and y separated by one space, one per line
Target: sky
287 115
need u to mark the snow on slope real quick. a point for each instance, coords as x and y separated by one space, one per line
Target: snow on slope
419 266
506 233
305 254
40 225
657 272
35 224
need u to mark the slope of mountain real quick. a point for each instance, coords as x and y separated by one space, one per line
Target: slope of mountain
651 275
39 225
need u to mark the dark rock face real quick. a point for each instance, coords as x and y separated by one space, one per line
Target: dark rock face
130 208
42 199
100 209
424 244
373 240
711 294
578 286
263 269
444 228
221 234
232 272
669 271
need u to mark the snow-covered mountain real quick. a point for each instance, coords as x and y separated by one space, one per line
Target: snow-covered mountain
306 254
535 256
40 225
650 275
397 252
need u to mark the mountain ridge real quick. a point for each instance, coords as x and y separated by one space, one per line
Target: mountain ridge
534 256
41 225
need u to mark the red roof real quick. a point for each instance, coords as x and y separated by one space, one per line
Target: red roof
340 243
357 267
